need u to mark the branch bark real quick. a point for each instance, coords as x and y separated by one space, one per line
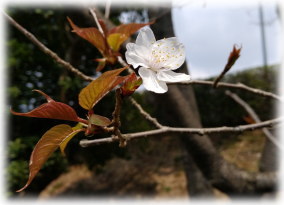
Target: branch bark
268 160
46 50
146 115
93 12
253 115
232 85
181 130
116 119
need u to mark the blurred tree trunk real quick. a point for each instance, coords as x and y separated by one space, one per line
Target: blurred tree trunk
73 57
186 109
204 165
269 156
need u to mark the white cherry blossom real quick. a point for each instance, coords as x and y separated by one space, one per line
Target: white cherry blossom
157 60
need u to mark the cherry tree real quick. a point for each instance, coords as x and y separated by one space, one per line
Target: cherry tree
151 62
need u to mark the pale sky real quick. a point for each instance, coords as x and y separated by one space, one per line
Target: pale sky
209 32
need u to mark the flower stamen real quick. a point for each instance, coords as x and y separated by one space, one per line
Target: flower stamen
157 59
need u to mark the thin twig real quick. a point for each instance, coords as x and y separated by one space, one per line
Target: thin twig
46 50
116 119
216 81
124 64
119 58
107 9
93 12
253 115
232 85
121 61
165 129
117 109
146 115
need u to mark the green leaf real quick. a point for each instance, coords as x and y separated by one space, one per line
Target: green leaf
14 91
99 120
96 122
48 143
97 89
115 40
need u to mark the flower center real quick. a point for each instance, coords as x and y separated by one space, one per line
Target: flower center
164 54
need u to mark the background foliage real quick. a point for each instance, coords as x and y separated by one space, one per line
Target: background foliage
28 69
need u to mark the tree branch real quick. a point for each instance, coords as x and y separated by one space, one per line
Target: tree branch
122 62
232 85
116 119
253 115
236 181
93 12
46 50
146 115
107 9
166 129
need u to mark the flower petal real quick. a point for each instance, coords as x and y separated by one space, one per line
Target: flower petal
151 82
137 55
170 76
145 37
167 53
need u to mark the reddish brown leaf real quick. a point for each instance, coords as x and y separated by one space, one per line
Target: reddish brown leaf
128 29
120 79
101 65
131 83
111 57
121 33
103 26
98 88
248 119
52 109
64 143
93 35
49 142
93 129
